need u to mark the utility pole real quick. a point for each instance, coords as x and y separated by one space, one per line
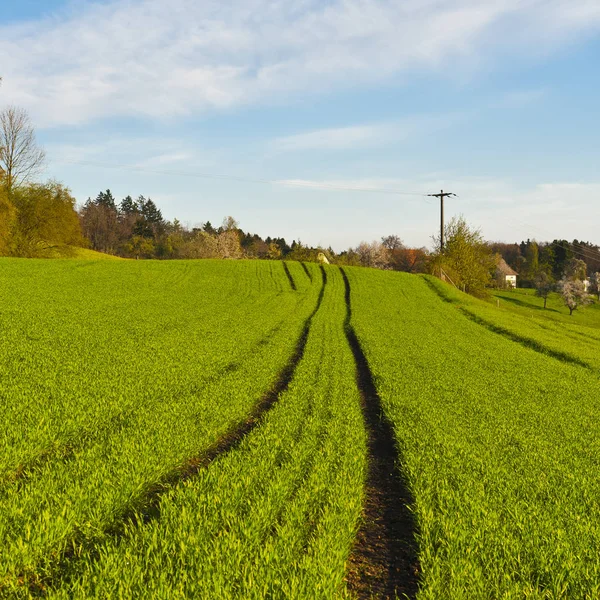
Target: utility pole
441 196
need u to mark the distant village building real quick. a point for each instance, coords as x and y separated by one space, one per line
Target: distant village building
505 276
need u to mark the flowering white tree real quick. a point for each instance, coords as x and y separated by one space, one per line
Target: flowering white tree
595 284
374 255
573 293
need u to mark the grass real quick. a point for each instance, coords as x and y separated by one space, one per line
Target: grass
524 302
275 517
198 429
540 329
107 395
497 443
77 253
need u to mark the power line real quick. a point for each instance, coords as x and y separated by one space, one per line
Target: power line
584 251
589 253
281 182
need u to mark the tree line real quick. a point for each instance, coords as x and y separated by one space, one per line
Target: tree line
37 218
530 258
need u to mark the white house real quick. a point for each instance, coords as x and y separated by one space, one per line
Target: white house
505 276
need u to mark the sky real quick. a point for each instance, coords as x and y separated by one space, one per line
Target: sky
323 121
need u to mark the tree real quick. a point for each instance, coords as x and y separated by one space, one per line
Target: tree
511 253
127 206
202 245
7 221
46 218
374 255
563 253
543 286
149 221
208 228
411 260
229 224
532 262
595 284
466 258
99 222
274 251
20 156
392 242
573 294
106 199
575 269
228 244
139 246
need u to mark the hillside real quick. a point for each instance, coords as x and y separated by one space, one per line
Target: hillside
76 252
213 429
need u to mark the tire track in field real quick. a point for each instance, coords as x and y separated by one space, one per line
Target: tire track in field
307 271
383 562
66 448
146 508
525 341
289 275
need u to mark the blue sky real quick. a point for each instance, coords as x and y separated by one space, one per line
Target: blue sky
495 100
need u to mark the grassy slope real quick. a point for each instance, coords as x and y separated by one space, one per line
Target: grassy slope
525 321
115 373
273 518
78 253
498 442
525 302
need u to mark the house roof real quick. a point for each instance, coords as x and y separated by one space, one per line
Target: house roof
503 268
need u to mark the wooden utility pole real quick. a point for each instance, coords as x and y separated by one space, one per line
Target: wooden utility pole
441 196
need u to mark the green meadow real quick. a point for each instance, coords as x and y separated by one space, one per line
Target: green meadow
203 429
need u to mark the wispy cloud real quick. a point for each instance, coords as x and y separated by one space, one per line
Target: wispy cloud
521 98
368 135
157 59
333 138
133 152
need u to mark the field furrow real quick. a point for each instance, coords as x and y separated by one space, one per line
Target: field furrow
499 446
96 483
275 516
384 559
555 339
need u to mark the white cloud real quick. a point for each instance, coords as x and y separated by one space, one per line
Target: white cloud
153 154
333 138
167 59
371 135
521 98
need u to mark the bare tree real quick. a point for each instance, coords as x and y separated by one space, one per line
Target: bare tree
392 242
20 156
543 286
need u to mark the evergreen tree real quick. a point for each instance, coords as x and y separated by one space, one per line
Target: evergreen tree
127 206
107 200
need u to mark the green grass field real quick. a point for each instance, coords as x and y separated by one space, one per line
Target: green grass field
202 429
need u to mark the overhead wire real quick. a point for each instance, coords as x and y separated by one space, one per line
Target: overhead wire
589 253
280 182
583 251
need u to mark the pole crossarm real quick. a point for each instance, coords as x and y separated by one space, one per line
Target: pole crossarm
441 196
